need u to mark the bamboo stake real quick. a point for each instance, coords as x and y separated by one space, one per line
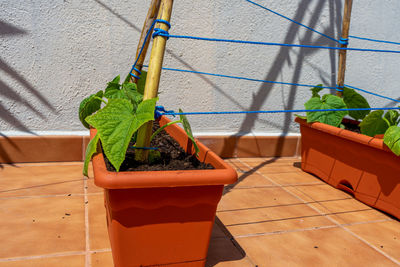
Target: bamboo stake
151 16
343 53
153 78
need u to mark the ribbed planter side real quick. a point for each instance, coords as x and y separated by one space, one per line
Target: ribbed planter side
356 163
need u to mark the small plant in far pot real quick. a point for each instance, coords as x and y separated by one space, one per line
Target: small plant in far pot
123 112
372 123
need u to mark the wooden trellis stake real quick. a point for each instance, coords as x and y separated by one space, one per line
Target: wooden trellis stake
151 16
342 53
153 77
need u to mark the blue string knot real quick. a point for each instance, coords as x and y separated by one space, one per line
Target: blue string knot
339 88
161 32
160 110
344 41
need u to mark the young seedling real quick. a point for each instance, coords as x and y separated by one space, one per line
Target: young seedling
118 121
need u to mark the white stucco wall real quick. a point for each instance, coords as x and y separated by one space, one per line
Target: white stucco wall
54 53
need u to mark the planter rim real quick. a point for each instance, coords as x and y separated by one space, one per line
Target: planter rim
222 174
375 142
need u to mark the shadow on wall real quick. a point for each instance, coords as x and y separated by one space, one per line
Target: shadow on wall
283 57
6 92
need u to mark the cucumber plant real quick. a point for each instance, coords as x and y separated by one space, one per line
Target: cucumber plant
124 111
373 123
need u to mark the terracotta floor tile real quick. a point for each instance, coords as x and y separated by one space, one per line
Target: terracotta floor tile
102 259
35 180
349 211
260 162
275 168
325 247
384 235
222 250
293 178
272 219
255 197
251 180
97 223
64 261
293 190
41 226
322 192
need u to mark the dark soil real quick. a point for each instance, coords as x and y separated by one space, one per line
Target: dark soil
351 126
173 157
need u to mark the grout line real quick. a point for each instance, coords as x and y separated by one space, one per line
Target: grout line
54 255
40 164
49 196
333 221
61 254
88 258
311 228
286 205
274 186
100 250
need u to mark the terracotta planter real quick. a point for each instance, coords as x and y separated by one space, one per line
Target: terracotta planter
361 165
163 217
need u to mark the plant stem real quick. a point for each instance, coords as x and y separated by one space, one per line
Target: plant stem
101 99
162 128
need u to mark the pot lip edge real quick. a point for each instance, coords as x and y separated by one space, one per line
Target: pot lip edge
218 176
343 133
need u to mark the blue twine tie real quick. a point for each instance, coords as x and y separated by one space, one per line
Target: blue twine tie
344 41
160 110
145 40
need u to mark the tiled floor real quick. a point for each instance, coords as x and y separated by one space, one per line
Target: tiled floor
276 215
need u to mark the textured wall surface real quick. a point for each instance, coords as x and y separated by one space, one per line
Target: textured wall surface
54 53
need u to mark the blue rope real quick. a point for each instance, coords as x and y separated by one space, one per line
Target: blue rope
275 44
160 110
339 88
344 41
272 111
291 20
145 40
371 93
374 40
243 78
145 148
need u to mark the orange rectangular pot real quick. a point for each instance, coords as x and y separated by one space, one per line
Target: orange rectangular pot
361 165
162 217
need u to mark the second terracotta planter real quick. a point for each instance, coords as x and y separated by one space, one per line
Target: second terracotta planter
361 165
163 217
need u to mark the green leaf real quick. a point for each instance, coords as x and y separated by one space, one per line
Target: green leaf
116 123
301 116
142 82
115 94
333 118
341 126
392 117
128 78
392 138
315 90
355 100
113 85
373 124
90 150
188 130
89 106
130 91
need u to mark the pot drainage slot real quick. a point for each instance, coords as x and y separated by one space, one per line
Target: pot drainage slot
346 186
